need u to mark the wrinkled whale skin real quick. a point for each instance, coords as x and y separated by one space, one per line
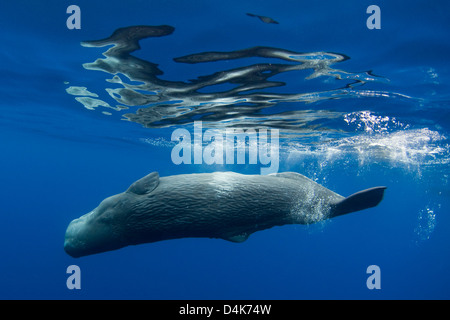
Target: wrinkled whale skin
224 205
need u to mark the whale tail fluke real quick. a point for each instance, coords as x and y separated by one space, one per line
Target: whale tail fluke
359 201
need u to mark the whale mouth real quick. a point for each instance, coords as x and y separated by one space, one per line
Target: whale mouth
78 238
71 249
73 245
86 235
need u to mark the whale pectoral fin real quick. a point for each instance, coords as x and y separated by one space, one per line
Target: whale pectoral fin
238 238
358 201
145 185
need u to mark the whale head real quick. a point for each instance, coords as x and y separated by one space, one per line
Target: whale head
105 227
97 231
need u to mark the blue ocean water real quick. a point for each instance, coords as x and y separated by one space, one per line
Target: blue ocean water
355 107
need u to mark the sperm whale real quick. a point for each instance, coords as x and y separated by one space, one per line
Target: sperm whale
223 205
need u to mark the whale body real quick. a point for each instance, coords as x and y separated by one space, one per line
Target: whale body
224 205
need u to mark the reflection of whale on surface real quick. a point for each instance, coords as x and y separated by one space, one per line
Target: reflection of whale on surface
262 18
224 205
244 95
